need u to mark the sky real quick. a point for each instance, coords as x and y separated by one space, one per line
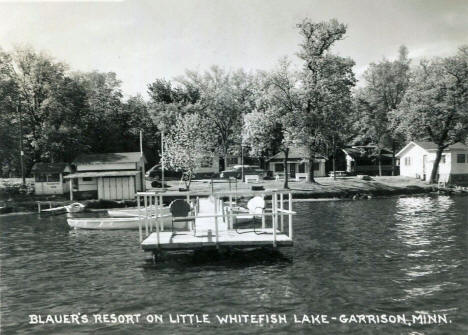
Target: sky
145 40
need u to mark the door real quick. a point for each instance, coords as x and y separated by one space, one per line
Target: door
292 170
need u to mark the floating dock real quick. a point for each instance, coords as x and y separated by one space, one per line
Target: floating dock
212 224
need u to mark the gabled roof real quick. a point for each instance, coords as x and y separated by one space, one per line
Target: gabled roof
49 167
295 153
116 157
431 146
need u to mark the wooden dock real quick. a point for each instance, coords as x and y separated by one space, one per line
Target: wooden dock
214 226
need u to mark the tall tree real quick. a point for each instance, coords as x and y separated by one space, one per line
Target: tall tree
435 106
269 127
326 83
386 83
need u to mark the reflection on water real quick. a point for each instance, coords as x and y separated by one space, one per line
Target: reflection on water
388 256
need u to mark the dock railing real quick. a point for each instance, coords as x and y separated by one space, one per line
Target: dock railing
151 212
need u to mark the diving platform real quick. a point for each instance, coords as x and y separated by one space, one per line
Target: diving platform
218 222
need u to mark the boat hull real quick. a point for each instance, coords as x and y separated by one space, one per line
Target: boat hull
115 223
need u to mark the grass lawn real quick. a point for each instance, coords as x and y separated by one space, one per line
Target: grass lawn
324 186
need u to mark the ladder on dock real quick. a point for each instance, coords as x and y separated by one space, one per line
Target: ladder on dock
214 224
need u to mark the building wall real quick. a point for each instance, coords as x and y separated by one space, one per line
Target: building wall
422 163
317 173
459 168
50 187
211 165
85 184
116 188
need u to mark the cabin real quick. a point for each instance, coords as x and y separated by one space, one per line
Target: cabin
109 176
417 159
297 165
209 164
49 178
364 160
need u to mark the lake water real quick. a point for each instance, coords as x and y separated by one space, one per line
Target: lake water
395 256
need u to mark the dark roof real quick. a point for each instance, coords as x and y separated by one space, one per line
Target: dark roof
427 145
49 167
357 152
101 174
117 157
295 153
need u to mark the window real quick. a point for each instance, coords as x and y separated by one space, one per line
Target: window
40 177
279 167
316 166
232 160
460 158
442 159
53 178
87 178
206 162
407 161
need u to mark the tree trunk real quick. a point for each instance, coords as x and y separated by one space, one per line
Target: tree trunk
435 167
311 169
285 168
334 159
380 162
393 157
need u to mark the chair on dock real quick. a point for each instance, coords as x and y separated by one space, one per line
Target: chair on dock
180 209
255 206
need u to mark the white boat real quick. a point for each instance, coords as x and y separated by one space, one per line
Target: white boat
104 223
75 207
120 219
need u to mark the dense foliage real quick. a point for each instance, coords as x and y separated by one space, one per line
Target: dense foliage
61 113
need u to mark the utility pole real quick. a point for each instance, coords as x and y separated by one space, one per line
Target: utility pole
162 161
18 110
242 161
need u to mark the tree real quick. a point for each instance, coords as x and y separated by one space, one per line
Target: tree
435 106
386 85
187 145
326 82
224 98
268 128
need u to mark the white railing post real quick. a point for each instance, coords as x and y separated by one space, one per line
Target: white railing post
274 217
146 213
216 220
161 211
156 217
290 216
282 214
139 219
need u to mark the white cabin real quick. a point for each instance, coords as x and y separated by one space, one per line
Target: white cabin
417 160
49 178
110 176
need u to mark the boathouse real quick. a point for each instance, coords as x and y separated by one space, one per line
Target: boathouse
109 176
49 178
298 164
417 160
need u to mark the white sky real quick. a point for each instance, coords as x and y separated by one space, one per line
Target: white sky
145 40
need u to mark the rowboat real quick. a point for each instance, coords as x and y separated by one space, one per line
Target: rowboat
121 219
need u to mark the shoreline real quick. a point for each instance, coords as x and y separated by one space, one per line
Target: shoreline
29 206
